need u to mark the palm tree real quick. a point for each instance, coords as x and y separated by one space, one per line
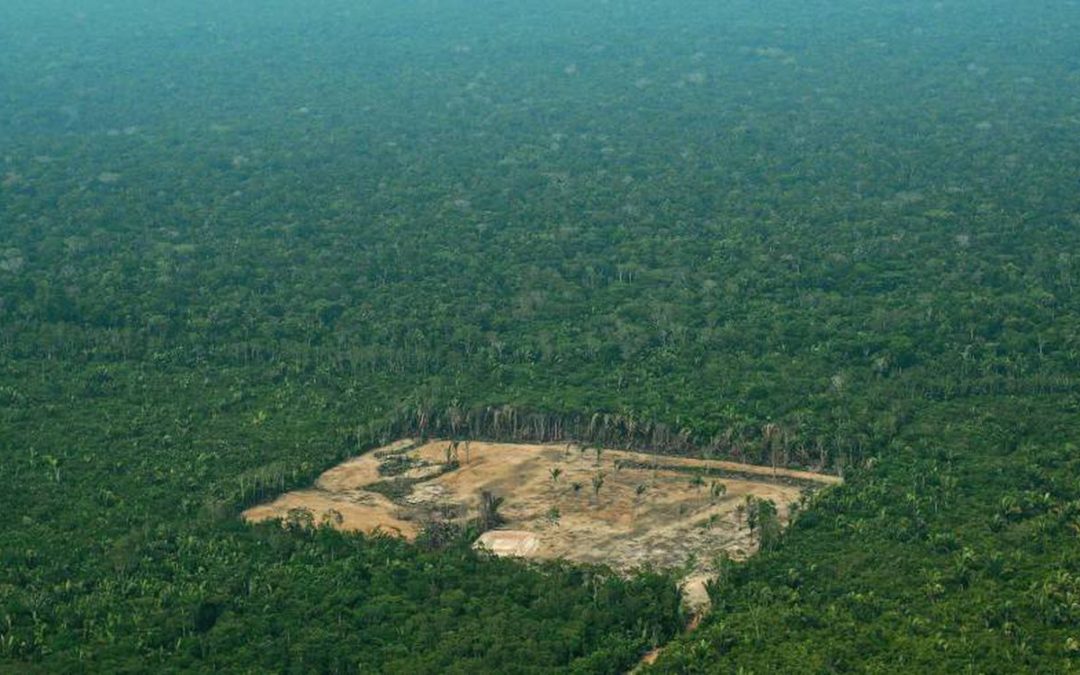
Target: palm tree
555 473
597 483
768 522
639 492
717 490
489 511
553 515
771 433
697 481
751 512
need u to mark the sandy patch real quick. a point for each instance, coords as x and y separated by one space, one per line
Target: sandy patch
364 512
515 543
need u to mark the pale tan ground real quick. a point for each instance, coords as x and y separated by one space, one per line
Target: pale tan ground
516 543
672 522
341 489
360 511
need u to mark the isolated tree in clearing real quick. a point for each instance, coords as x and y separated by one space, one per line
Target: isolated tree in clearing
597 483
639 492
717 490
553 516
489 517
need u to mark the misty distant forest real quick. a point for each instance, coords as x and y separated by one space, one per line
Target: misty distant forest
241 242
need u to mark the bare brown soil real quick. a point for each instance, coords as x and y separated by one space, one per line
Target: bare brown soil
649 509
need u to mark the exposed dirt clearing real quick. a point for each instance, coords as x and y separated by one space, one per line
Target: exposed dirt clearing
341 490
358 472
509 543
360 511
622 508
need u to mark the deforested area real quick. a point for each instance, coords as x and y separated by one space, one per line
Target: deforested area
427 337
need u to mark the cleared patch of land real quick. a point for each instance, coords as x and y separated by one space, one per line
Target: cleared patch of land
584 504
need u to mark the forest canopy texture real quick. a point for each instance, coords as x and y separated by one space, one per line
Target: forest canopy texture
239 245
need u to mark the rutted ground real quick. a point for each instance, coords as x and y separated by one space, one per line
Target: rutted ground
616 507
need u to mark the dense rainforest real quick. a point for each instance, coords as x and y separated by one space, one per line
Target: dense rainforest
240 244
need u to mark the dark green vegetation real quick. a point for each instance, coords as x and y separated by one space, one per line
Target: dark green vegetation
238 247
956 552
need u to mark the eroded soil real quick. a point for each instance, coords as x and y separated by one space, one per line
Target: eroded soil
617 507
